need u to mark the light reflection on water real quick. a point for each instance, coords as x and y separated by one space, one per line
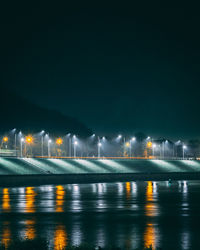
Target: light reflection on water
151 209
60 193
60 237
130 215
30 232
6 235
6 200
30 200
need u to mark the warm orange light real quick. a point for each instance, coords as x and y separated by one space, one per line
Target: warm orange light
149 144
60 193
30 229
150 208
128 144
149 236
6 236
30 200
5 139
128 190
6 200
60 238
29 139
59 141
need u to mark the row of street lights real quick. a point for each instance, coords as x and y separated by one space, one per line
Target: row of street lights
73 141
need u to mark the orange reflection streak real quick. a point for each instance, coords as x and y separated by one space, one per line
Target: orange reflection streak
60 193
149 192
6 236
150 206
30 200
30 229
60 238
128 190
6 200
149 235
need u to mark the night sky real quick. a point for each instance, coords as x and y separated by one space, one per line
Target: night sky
117 67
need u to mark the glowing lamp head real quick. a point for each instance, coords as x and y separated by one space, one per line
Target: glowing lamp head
149 144
184 146
154 145
49 141
128 144
5 139
119 136
59 141
75 143
29 139
133 139
99 144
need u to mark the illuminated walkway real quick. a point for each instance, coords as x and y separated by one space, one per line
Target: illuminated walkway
32 166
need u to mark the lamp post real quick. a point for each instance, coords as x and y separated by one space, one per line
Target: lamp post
132 140
15 144
124 146
163 146
15 140
42 146
99 148
59 142
21 146
42 143
5 140
184 147
75 144
70 147
153 148
49 149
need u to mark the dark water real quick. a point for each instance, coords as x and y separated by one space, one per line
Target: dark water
130 215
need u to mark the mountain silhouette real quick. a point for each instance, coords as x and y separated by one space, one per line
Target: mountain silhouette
18 112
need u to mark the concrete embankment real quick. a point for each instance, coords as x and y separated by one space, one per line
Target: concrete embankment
35 180
36 171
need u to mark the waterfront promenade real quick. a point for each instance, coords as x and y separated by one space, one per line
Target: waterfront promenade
18 171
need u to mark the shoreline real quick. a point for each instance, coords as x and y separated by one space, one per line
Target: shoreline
56 179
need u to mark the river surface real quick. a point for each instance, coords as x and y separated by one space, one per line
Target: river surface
129 215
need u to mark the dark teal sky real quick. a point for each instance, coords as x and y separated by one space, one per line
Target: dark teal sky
116 67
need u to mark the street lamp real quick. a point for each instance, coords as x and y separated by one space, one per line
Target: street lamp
132 140
163 148
49 152
68 148
5 140
59 141
127 145
99 147
184 148
42 143
75 144
14 131
153 148
29 139
21 142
